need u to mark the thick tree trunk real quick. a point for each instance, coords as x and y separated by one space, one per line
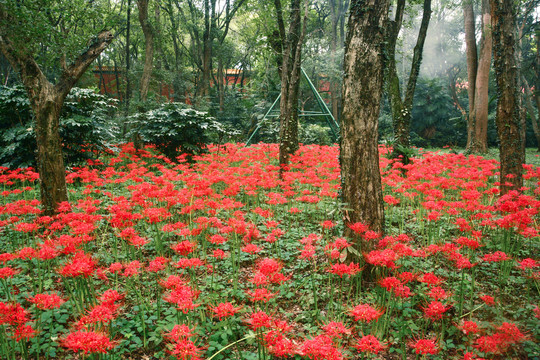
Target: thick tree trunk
149 48
49 149
46 101
472 64
503 17
362 91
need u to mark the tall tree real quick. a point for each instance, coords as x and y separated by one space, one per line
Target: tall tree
148 32
290 78
362 92
338 9
216 24
503 20
478 66
46 98
402 107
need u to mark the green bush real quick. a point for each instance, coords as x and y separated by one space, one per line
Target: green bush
17 139
315 134
85 126
174 129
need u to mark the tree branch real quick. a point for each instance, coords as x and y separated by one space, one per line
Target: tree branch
74 71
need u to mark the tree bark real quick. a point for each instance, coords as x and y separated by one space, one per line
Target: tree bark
290 84
472 64
402 108
362 91
478 67
148 32
503 17
46 101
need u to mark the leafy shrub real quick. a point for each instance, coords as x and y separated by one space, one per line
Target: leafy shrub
315 134
84 126
174 128
17 140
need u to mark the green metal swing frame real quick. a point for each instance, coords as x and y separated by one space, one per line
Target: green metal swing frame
324 112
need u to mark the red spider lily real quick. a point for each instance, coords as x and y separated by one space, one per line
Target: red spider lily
435 310
103 313
189 263
470 243
173 281
251 249
407 276
468 327
425 346
358 228
157 264
320 348
25 332
438 293
365 313
269 266
183 297
261 295
528 264
219 254
5 257
471 356
390 283
259 319
80 264
46 301
496 257
184 248
7 272
88 342
328 224
110 296
430 279
12 314
386 257
132 268
279 345
488 300
224 310
343 269
336 329
370 344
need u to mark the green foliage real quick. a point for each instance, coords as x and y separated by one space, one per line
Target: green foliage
436 122
315 134
84 126
17 140
174 128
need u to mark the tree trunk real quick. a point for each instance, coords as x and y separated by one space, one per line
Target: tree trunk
402 109
478 143
472 64
478 76
50 162
290 84
503 17
149 48
46 101
362 91
221 82
335 12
